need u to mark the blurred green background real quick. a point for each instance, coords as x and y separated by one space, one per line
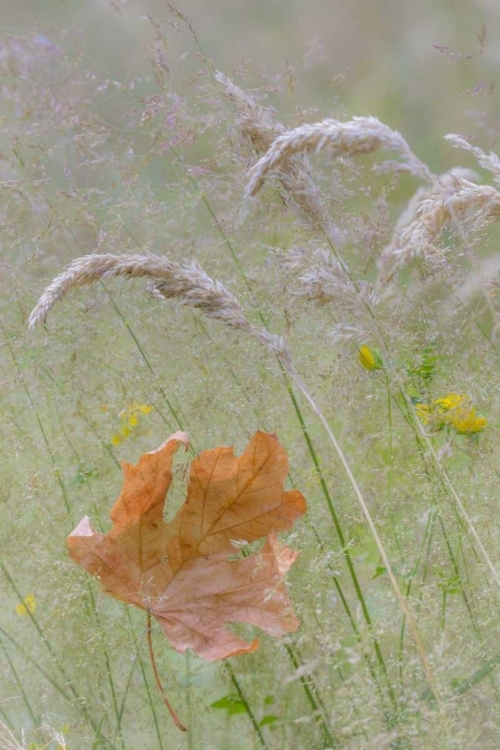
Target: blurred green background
424 67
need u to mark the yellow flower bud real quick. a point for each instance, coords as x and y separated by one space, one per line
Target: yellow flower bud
369 359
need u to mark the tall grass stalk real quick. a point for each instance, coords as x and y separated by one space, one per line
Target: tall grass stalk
312 452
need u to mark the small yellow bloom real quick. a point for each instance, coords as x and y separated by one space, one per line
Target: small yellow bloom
139 409
28 606
454 410
423 413
368 359
450 402
470 423
129 420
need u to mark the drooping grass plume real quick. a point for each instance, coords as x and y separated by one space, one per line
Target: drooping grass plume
7 739
361 135
254 121
466 206
390 258
490 161
298 189
321 278
190 284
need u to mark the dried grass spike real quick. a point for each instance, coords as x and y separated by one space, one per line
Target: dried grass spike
298 188
448 182
7 739
361 135
190 284
490 161
471 205
254 121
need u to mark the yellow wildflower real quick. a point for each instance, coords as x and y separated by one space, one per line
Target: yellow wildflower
454 410
129 420
451 402
470 423
369 359
143 408
28 605
423 412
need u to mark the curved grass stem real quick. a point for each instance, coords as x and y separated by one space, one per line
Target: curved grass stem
397 591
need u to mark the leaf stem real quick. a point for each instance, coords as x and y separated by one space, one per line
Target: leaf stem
171 711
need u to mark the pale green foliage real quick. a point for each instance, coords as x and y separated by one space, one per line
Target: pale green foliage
92 164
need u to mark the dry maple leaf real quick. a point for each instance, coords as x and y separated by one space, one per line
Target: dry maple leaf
184 573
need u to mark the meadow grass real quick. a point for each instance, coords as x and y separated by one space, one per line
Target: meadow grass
297 281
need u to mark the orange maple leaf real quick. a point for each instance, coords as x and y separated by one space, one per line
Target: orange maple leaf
184 573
